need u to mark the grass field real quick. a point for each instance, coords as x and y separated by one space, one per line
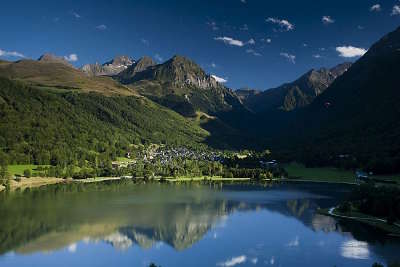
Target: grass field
300 172
19 169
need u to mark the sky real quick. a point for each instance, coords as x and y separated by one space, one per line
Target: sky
246 43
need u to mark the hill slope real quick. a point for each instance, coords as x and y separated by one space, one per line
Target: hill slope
58 75
362 118
42 126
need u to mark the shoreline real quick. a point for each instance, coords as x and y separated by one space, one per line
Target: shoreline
43 181
379 223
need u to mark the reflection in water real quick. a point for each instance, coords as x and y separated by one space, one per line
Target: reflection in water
280 223
354 249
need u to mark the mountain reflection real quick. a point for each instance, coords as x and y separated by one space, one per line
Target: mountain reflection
128 215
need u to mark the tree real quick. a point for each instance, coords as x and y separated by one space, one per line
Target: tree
4 174
27 173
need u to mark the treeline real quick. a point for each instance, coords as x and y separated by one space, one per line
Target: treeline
44 127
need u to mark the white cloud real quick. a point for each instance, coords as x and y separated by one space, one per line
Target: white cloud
360 27
291 58
317 56
294 243
229 41
158 58
376 8
76 15
350 51
268 40
305 45
213 65
251 41
327 20
253 52
101 27
4 53
283 23
243 1
254 260
213 25
234 261
71 57
219 79
395 10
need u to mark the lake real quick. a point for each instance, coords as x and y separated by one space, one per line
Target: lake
126 224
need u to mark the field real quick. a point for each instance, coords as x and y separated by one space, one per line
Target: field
334 175
19 169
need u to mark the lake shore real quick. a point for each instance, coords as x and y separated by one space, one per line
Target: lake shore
378 223
43 181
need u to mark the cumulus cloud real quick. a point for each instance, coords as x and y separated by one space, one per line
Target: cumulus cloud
327 20
291 58
396 10
350 51
101 27
158 58
233 261
229 41
219 79
317 56
283 23
253 52
71 57
4 53
213 65
376 8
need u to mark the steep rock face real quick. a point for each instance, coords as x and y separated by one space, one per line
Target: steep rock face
112 67
297 94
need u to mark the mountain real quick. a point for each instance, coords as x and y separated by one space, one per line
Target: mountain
297 94
181 85
139 66
113 67
357 115
245 93
53 72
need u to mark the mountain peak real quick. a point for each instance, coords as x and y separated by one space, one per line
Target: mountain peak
112 67
51 58
120 61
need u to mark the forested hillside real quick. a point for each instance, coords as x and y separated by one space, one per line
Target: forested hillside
46 126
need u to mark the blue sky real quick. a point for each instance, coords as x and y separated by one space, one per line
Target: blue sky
254 43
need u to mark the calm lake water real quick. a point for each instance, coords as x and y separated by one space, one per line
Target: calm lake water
180 226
